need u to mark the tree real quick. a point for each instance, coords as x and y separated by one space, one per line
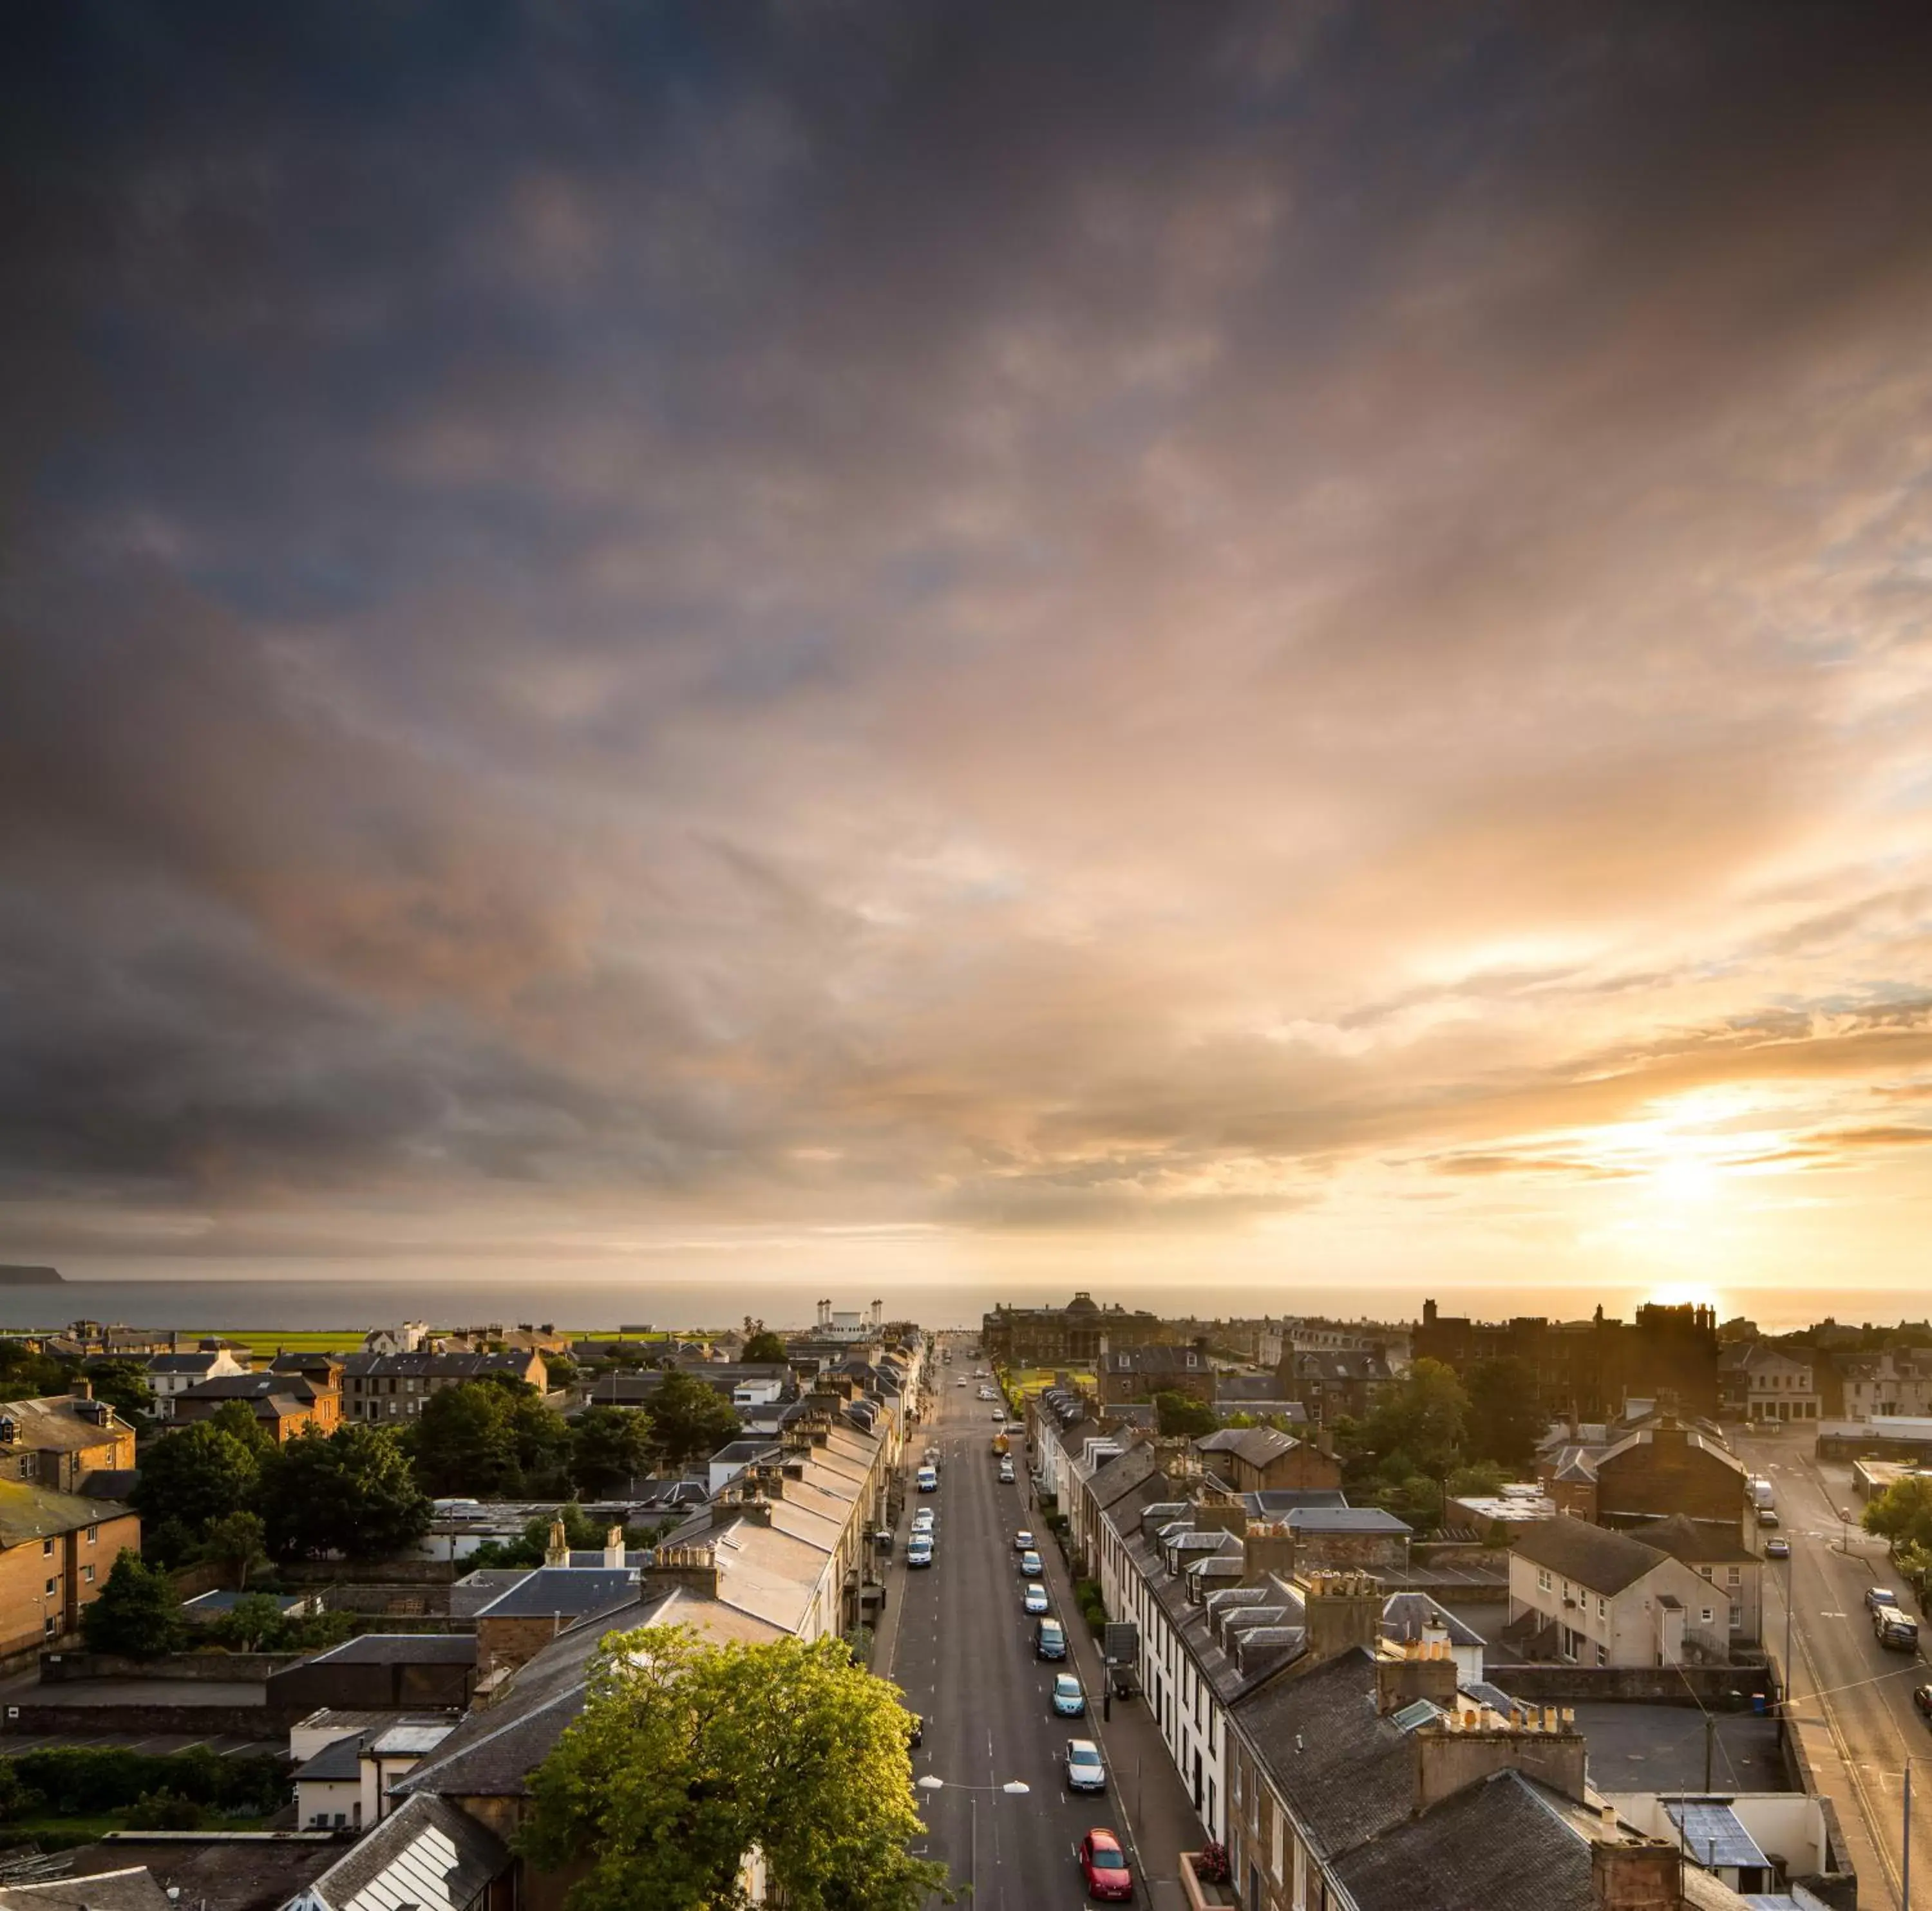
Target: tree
123 1384
1483 1477
1416 1426
350 1492
764 1347
255 1623
609 1447
238 1543
202 1474
238 1417
1902 1514
1176 1414
491 1437
690 1419
137 1615
1504 1421
689 1757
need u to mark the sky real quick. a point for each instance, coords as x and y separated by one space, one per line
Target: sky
1085 645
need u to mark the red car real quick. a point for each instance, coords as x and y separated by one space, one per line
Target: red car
1104 1864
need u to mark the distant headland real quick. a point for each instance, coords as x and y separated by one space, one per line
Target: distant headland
13 1275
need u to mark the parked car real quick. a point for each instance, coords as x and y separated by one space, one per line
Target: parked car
1921 1697
1006 1472
1894 1631
1767 1516
999 1414
1034 1599
918 1549
1777 1549
1049 1640
1023 1542
928 1479
1029 1564
1105 1865
924 1520
1877 1596
1068 1699
1084 1771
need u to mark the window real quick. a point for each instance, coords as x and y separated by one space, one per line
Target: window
53 1586
93 1534
87 1573
1706 1615
46 1549
1603 1655
1543 1579
1736 1575
50 1627
1603 1607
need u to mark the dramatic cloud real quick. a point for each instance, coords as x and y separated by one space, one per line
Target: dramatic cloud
1160 630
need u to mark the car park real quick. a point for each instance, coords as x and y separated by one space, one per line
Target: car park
1777 1549
1877 1596
1084 1771
1069 1700
1049 1640
1034 1598
1105 1866
1023 1541
1030 1565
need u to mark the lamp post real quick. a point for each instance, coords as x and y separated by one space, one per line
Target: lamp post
1013 1788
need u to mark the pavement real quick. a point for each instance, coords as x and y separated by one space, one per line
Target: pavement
1851 1699
955 1638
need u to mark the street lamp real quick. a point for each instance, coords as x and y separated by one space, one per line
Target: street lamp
1013 1788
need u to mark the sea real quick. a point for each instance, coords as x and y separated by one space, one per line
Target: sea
299 1305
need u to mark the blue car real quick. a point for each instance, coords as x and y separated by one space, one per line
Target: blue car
1068 1699
1035 1600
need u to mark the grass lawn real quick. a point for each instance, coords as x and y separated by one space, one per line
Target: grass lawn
1025 1382
263 1341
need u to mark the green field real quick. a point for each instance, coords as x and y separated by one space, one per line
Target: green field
265 1340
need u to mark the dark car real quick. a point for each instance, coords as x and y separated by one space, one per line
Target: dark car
1049 1640
1777 1549
1894 1631
1921 1697
1105 1865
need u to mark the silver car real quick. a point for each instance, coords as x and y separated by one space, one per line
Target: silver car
1084 1771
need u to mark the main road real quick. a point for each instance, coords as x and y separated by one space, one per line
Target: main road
964 1655
1843 1679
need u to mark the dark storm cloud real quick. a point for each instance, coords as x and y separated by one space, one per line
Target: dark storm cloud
1043 617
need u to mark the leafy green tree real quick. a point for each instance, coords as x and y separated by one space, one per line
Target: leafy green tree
1176 1414
255 1623
1504 1421
1902 1514
688 1755
465 1443
199 1475
764 1347
351 1492
690 1419
25 1375
238 1543
137 1615
1417 1426
1483 1478
609 1447
238 1417
123 1384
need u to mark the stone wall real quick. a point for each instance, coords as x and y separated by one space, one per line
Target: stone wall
62 1668
1710 1686
193 1721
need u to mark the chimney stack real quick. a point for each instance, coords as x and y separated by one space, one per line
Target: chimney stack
1406 1673
613 1547
81 1388
1266 1548
1635 1875
1342 1610
1473 1742
557 1552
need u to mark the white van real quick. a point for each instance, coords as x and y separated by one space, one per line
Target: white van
928 1478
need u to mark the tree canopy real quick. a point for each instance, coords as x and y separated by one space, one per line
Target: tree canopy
689 1757
491 1437
764 1347
1504 1420
351 1492
1177 1415
1417 1426
690 1419
610 1446
137 1614
1902 1514
201 1474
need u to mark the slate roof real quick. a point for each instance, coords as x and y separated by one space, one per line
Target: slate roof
1271 1502
1405 1614
574 1590
1497 1843
1121 1475
1344 1519
1258 1445
222 1871
51 1423
1595 1556
339 1759
252 1386
427 1853
131 1887
421 1649
1697 1542
29 1512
